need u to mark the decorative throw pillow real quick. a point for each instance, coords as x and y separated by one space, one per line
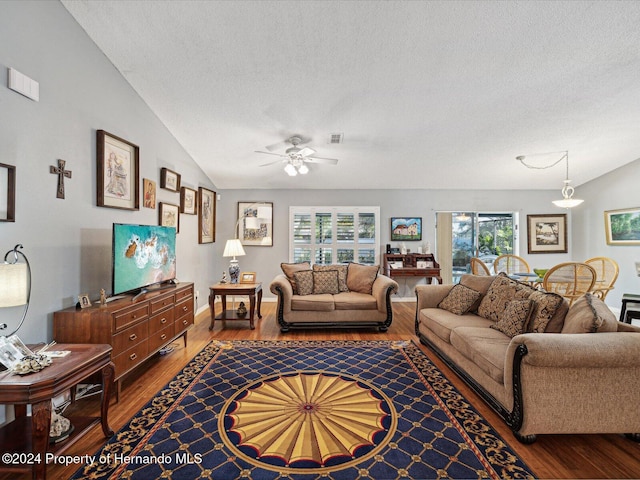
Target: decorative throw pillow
290 268
459 300
501 292
325 281
342 274
515 317
360 277
589 314
546 304
304 282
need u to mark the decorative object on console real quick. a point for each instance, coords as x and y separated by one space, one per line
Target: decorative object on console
149 193
248 277
169 180
118 184
206 215
242 310
233 248
406 228
255 223
188 199
296 158
567 200
170 216
7 193
622 226
83 300
547 233
61 173
15 285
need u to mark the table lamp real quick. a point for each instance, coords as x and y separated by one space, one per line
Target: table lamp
233 248
15 285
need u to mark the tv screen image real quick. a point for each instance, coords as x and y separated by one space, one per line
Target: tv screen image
143 255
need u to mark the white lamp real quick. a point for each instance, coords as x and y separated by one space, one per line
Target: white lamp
15 285
233 248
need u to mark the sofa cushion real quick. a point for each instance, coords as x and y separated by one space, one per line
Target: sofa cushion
589 314
546 304
460 299
479 283
441 322
304 282
317 303
354 301
325 281
515 317
501 292
485 347
557 321
290 268
360 277
342 274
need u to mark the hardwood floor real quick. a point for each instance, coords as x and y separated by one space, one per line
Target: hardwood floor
552 456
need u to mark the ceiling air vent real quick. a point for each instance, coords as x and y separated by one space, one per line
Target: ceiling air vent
335 138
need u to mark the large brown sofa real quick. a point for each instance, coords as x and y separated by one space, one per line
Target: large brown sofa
573 370
360 298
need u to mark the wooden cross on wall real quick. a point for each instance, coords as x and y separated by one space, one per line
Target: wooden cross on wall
61 172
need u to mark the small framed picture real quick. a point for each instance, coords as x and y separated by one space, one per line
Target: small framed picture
406 228
7 193
206 215
188 198
118 172
248 277
149 193
10 356
170 216
547 233
169 180
83 300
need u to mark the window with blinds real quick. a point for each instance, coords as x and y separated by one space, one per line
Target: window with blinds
326 235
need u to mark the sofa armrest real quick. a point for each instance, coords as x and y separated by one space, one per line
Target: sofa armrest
429 296
379 290
281 287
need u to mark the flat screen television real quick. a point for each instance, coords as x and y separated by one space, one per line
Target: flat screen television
143 255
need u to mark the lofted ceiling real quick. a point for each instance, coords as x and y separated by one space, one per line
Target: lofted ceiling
427 94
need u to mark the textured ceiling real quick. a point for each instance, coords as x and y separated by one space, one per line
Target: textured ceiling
438 94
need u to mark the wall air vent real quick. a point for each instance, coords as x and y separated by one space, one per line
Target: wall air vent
336 138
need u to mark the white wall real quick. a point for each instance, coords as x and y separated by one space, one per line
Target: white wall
68 242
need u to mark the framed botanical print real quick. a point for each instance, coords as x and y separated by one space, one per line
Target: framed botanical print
118 172
547 233
148 193
169 216
206 215
188 197
169 180
255 223
622 226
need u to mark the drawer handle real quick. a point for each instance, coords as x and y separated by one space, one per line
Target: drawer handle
133 356
164 320
184 322
134 316
185 308
133 336
163 336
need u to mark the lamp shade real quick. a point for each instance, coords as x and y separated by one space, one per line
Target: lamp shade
233 248
14 284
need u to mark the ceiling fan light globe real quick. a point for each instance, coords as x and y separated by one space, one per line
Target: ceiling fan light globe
303 170
291 170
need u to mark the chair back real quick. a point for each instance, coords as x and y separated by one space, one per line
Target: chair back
511 264
478 267
570 279
606 274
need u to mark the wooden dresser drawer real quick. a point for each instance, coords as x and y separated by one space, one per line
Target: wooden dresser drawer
124 318
161 320
160 337
182 294
183 308
130 337
162 303
132 357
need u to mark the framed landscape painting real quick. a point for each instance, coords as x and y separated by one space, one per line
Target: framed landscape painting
406 228
547 233
622 226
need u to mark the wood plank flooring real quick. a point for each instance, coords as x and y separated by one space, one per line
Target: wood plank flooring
552 456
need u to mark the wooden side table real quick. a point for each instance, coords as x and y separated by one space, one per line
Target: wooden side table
224 289
26 439
633 311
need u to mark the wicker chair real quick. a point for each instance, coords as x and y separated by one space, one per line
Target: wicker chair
570 279
606 275
511 264
478 267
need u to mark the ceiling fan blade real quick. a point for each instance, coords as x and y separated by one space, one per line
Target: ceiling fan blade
326 161
306 151
269 153
272 163
277 146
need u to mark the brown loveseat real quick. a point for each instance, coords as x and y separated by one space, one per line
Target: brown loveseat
578 373
350 295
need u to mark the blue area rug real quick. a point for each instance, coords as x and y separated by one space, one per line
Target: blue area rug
304 410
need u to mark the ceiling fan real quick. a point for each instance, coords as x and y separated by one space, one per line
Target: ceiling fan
296 158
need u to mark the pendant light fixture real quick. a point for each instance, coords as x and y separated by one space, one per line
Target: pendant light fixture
567 200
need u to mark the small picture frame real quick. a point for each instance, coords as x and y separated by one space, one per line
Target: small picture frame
83 300
206 215
547 233
169 180
622 226
10 356
248 277
169 216
7 193
148 193
118 183
406 229
188 201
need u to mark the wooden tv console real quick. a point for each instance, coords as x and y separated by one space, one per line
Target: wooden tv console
135 329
